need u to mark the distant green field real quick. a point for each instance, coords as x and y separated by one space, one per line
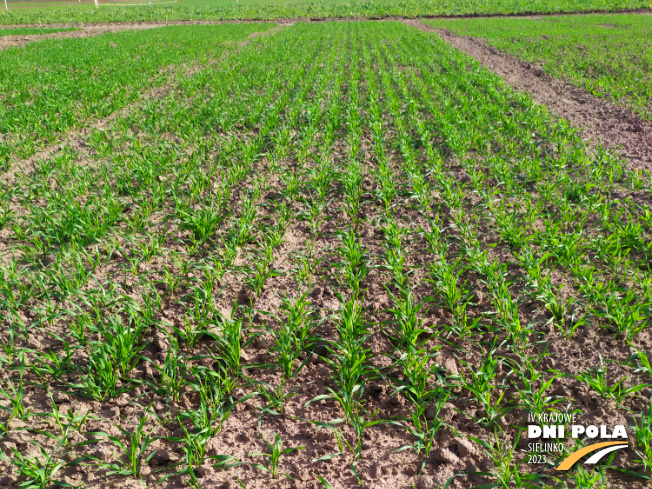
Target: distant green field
55 85
37 11
607 55
90 4
32 30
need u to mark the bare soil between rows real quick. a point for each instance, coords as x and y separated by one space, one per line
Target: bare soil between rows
602 121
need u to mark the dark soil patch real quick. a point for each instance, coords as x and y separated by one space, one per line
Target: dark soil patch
615 26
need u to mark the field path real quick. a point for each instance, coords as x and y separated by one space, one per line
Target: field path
91 30
614 126
86 31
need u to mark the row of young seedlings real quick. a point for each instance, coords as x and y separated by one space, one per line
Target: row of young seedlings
173 374
233 342
532 378
482 382
420 379
240 235
78 83
575 201
445 274
307 187
347 355
295 309
415 362
605 301
476 384
506 224
299 105
67 349
622 302
349 358
292 333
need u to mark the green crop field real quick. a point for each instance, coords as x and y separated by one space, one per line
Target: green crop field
317 255
607 55
57 85
41 12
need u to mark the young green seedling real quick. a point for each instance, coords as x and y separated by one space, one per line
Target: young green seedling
132 447
273 458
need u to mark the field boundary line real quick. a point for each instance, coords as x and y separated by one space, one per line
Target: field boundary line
601 120
292 20
135 25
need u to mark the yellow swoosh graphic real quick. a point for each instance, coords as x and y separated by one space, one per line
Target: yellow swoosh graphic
568 463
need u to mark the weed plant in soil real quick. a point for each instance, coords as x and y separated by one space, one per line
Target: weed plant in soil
361 262
607 55
293 9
